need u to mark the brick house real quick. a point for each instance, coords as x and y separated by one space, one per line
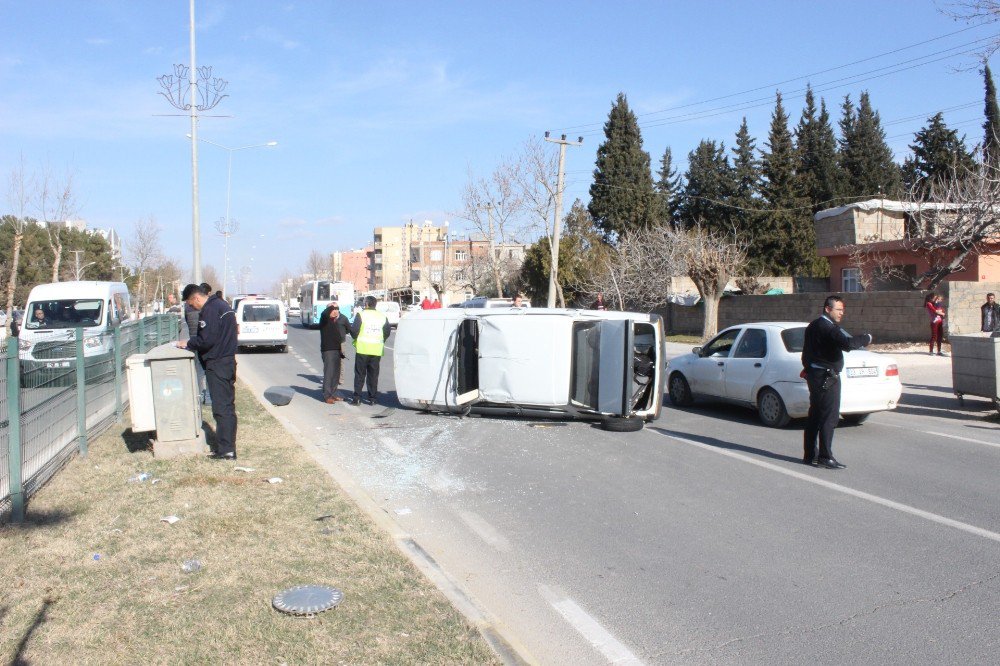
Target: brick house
883 227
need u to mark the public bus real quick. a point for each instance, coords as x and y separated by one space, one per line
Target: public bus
317 294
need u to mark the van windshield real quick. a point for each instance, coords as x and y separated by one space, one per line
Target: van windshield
63 313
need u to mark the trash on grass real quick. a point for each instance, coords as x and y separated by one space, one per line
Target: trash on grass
190 566
139 478
170 520
244 469
97 556
154 482
274 479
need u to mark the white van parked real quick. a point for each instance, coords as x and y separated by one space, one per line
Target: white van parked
261 322
53 314
391 311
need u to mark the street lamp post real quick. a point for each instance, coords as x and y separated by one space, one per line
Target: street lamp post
228 225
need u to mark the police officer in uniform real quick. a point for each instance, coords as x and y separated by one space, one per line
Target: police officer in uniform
823 359
215 342
370 330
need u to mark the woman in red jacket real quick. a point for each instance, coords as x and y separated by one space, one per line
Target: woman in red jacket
934 304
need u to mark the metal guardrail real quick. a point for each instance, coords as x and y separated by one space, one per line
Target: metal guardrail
51 407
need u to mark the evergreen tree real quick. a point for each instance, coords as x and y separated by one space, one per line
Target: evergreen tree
745 212
938 154
707 189
668 187
787 244
816 146
991 128
866 157
622 195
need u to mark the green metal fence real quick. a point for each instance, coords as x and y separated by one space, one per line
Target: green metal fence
56 395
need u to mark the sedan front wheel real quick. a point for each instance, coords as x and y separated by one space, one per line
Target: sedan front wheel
771 409
680 390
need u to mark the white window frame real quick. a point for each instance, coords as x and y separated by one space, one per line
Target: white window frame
850 280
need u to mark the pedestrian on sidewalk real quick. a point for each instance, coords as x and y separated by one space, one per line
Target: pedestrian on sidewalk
934 304
823 360
215 341
991 316
370 330
333 328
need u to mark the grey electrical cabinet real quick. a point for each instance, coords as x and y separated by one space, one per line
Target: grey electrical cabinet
176 403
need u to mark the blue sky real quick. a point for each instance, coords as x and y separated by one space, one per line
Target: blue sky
381 109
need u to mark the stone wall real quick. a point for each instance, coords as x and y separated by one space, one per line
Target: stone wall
962 301
890 316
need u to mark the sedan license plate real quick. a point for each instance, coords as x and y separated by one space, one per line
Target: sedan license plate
251 329
862 372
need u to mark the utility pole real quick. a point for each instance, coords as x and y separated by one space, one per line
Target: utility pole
494 260
554 269
78 270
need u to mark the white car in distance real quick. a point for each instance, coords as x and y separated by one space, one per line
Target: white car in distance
759 365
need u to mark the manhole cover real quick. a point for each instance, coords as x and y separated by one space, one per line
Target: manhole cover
307 599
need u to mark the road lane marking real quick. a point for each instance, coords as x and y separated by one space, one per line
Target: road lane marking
966 439
484 530
860 494
944 434
588 627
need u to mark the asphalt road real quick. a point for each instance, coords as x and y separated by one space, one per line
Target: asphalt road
701 539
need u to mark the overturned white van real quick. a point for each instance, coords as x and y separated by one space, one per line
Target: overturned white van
575 364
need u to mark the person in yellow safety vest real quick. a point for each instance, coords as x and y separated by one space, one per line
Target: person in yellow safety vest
370 329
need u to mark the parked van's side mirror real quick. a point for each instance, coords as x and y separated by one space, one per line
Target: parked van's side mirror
696 350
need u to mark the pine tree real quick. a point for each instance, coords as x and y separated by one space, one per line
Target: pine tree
991 128
817 168
939 154
708 187
787 246
745 212
867 159
622 195
668 187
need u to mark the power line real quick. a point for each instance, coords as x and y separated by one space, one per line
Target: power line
795 94
804 76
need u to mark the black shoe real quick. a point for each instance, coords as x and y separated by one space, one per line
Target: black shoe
231 455
355 401
831 463
369 401
810 461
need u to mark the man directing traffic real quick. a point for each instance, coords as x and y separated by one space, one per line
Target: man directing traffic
823 359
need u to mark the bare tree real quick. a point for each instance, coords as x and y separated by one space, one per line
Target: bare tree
19 188
210 276
638 272
711 260
317 264
494 205
144 254
978 11
56 203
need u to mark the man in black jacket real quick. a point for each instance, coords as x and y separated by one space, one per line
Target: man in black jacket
823 359
991 315
333 328
215 343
